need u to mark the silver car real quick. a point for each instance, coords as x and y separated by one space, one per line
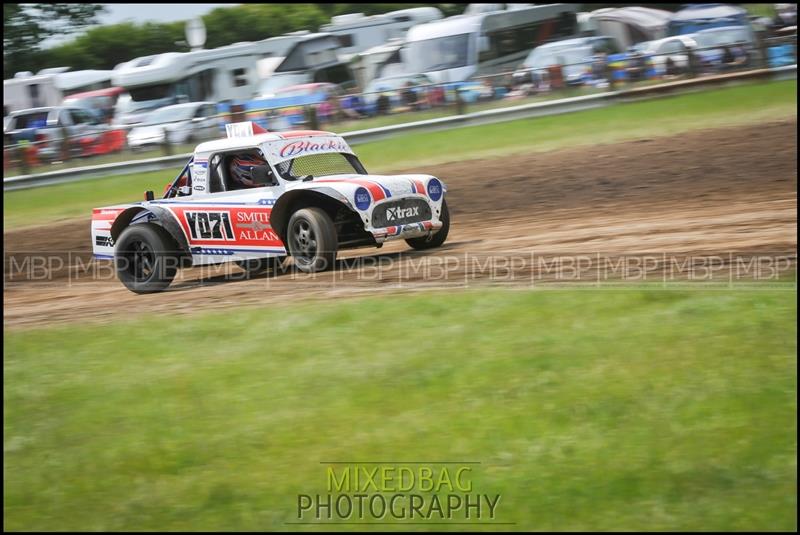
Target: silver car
177 124
48 128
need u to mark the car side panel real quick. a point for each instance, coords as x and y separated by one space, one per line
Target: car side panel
224 231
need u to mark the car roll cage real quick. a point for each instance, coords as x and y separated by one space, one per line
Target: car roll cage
172 191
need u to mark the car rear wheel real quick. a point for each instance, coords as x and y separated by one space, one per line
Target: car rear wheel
429 242
146 258
311 238
255 266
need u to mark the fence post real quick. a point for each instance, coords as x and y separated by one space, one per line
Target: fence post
461 106
165 145
691 62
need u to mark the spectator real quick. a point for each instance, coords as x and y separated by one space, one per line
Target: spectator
486 91
352 106
636 66
741 58
670 68
600 69
383 104
555 75
435 96
325 110
522 86
409 96
728 59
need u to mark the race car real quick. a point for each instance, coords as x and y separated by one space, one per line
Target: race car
257 197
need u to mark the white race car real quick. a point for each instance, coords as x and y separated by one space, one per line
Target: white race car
309 198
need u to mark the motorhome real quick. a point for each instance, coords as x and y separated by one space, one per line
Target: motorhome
460 47
357 32
228 73
49 87
378 62
312 59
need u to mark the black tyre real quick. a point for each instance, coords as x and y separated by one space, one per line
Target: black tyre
311 239
146 258
259 265
429 242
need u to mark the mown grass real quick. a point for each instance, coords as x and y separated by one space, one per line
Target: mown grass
623 410
734 105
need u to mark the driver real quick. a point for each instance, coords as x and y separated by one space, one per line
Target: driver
241 168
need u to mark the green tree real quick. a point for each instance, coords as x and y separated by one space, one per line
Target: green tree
25 26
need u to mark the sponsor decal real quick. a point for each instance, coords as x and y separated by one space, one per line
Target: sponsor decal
266 202
362 198
298 148
231 226
103 241
200 188
392 214
210 225
435 189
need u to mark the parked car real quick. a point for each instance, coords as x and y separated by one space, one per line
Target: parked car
58 131
130 112
100 101
575 56
712 43
176 124
393 88
256 197
673 48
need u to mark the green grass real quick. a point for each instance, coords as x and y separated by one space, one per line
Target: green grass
625 410
740 104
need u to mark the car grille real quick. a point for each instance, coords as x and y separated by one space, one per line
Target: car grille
400 212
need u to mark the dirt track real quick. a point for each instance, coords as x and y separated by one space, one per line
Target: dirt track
713 192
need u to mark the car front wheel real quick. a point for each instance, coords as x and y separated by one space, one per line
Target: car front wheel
429 242
311 239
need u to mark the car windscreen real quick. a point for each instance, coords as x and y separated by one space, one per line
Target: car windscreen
30 120
317 165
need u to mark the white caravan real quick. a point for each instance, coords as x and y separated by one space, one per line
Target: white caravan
49 87
458 48
228 73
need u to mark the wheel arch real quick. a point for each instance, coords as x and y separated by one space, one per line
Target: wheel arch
327 199
162 217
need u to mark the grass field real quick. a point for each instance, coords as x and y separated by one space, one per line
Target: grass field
602 410
734 105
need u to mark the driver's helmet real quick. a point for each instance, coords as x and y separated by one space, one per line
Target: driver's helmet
242 169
